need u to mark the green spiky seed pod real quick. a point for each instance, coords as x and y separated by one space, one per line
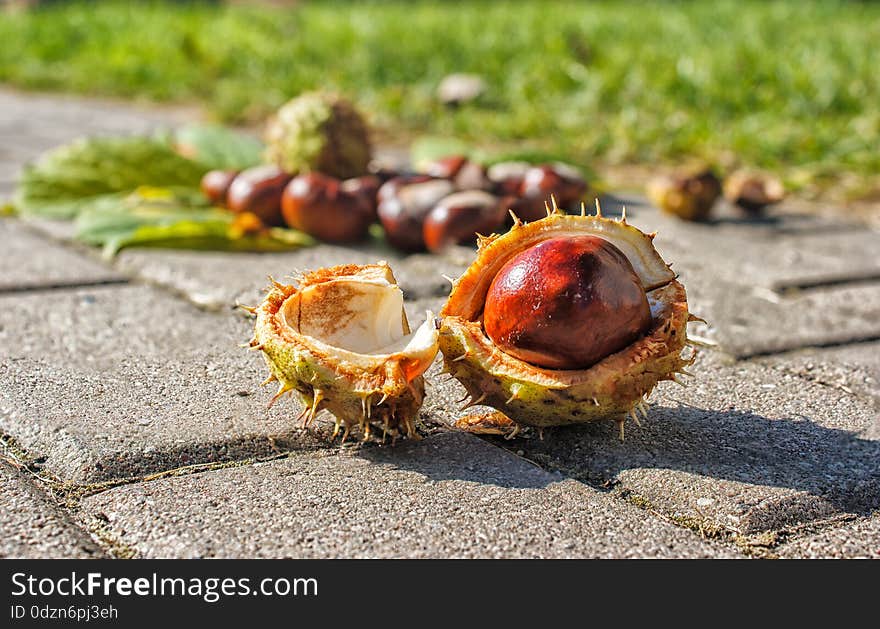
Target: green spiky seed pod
319 131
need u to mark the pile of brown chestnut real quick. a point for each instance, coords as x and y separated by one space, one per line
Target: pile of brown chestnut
446 203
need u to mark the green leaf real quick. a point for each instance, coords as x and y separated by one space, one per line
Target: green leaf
153 217
73 177
218 147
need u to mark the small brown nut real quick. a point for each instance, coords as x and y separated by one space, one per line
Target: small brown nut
566 303
317 204
445 167
753 191
465 174
688 194
215 185
541 182
367 189
402 210
457 219
507 177
258 190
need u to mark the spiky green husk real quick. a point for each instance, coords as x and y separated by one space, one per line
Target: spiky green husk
611 389
383 397
319 131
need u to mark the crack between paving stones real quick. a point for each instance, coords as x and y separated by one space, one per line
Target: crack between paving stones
65 285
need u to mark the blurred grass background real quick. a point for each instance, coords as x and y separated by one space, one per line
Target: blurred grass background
791 86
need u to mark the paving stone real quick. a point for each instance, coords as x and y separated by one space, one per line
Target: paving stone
449 495
745 447
218 280
852 369
754 322
115 382
859 539
33 123
29 261
32 526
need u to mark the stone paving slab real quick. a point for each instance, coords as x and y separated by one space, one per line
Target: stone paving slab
852 369
744 447
449 495
859 539
119 381
749 322
27 261
32 526
33 123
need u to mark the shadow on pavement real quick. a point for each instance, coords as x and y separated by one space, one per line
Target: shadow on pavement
838 466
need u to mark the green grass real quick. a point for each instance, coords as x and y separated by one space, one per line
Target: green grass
789 86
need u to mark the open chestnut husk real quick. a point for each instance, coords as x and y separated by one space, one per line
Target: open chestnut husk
403 208
320 206
258 190
580 279
458 218
339 338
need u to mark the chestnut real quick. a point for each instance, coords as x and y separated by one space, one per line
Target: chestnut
507 177
391 187
445 167
539 182
566 303
258 190
402 210
465 174
457 218
689 194
367 189
753 192
317 204
215 185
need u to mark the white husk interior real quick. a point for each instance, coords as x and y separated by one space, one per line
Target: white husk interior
360 320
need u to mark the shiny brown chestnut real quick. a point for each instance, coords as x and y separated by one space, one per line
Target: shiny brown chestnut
367 189
540 182
445 167
507 177
317 204
215 185
566 303
258 190
402 210
457 219
464 173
